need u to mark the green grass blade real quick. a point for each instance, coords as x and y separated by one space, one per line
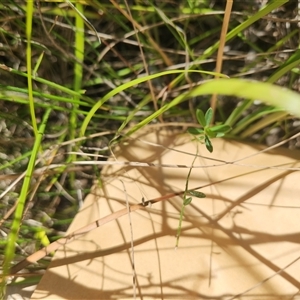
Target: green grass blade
49 83
78 69
13 234
237 112
264 123
14 161
246 121
131 114
130 84
29 16
291 63
254 90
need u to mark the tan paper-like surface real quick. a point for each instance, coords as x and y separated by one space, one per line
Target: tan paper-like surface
237 239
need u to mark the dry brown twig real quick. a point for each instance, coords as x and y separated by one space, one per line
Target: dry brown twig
213 101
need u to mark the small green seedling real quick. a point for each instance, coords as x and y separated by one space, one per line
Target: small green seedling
205 135
207 132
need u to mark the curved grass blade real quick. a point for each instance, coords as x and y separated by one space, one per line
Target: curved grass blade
128 85
270 94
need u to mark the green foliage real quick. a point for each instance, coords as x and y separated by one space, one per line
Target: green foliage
207 131
89 64
13 234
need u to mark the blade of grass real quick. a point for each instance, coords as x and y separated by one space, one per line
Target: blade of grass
21 94
268 53
14 161
29 16
13 234
254 90
78 74
131 114
237 112
246 121
78 69
49 83
291 63
263 123
126 86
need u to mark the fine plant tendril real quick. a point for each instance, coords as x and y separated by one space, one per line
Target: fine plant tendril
186 201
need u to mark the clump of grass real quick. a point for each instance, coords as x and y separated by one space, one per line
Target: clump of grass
94 72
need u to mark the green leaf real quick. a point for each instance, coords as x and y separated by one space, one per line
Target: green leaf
195 131
187 201
209 133
200 117
220 128
220 134
208 116
196 194
208 144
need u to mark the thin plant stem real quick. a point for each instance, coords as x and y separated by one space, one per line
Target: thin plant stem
184 198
